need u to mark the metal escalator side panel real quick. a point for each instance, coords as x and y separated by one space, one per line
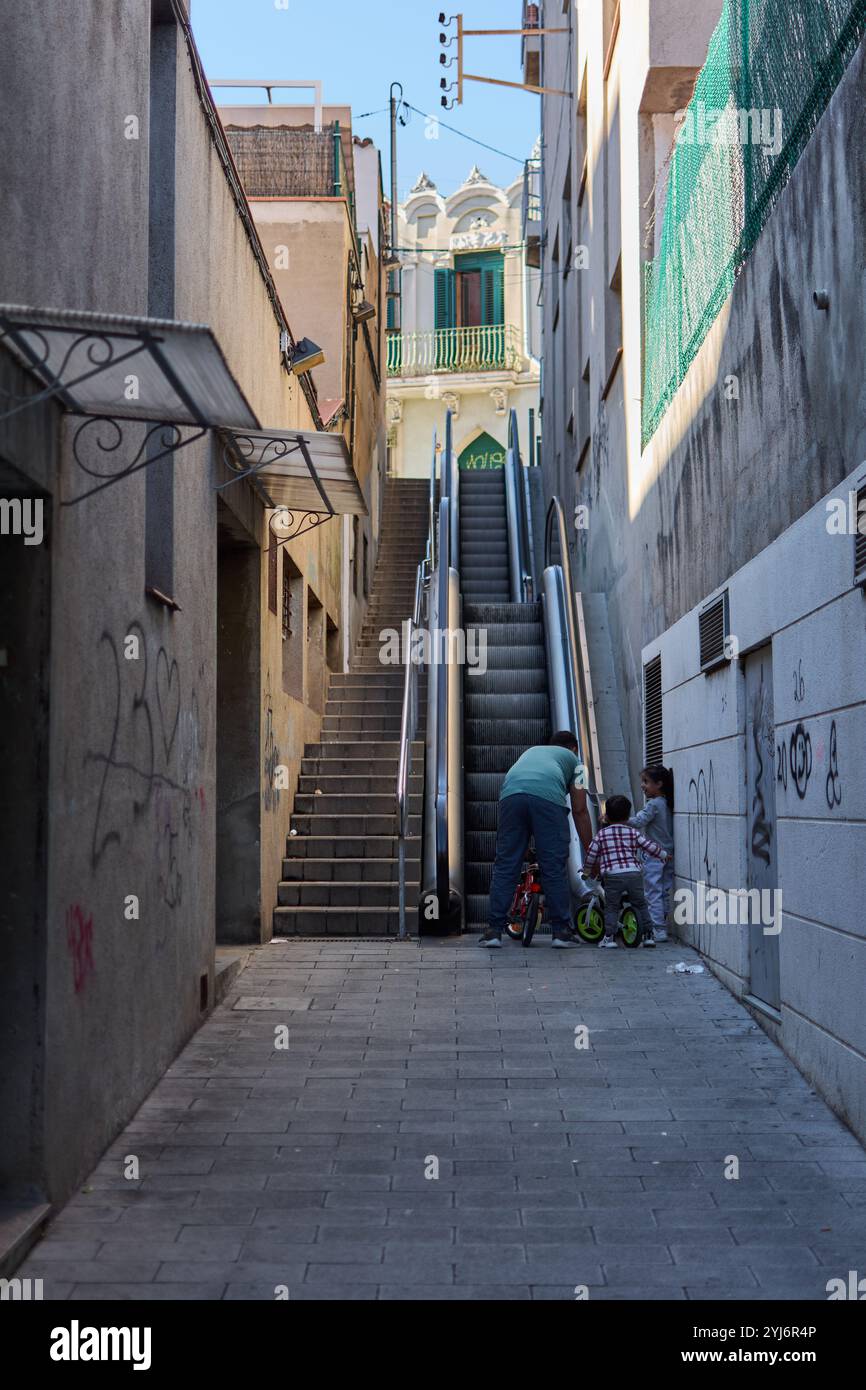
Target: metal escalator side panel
455 821
564 697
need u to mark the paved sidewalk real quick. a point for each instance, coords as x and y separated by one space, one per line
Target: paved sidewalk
559 1167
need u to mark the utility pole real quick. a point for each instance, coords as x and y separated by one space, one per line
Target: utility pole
396 281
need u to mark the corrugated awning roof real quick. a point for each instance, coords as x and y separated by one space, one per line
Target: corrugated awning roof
125 368
302 470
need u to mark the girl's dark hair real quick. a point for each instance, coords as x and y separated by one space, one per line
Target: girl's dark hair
564 739
664 778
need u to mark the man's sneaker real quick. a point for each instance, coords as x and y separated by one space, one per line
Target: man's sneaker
648 940
562 941
659 935
490 939
609 943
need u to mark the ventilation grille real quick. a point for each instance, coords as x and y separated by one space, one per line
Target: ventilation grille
860 536
712 630
652 712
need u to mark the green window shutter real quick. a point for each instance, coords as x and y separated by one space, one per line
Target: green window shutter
493 293
446 301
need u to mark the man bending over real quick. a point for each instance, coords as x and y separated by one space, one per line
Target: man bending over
535 801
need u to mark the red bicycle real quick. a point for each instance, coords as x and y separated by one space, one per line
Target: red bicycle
526 906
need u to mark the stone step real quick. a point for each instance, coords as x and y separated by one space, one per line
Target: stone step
369 724
343 846
348 893
352 870
353 804
349 823
330 921
363 784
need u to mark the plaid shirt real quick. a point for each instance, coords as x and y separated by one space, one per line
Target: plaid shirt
615 849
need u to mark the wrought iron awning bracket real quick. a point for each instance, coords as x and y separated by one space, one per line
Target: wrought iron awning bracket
172 441
54 383
306 521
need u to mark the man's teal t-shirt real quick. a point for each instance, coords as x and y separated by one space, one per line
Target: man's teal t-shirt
546 771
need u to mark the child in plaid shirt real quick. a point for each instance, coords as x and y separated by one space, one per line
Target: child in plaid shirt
613 855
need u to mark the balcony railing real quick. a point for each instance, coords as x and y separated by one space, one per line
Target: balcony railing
487 348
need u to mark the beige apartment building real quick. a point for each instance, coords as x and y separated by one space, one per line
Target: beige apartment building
464 333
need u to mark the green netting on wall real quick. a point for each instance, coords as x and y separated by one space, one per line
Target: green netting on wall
771 69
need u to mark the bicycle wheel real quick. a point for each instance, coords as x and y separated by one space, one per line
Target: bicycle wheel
514 925
630 928
531 921
590 923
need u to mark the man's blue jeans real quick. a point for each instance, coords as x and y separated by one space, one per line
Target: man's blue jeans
520 816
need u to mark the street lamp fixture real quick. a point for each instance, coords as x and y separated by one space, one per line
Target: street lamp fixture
305 356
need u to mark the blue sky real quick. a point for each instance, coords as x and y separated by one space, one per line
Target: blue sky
359 48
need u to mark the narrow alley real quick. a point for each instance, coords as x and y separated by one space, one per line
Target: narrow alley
435 1129
432 563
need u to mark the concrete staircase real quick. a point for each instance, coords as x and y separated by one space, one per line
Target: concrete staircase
340 872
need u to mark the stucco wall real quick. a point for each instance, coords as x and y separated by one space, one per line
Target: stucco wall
132 742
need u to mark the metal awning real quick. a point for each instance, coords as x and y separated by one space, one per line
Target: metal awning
306 474
115 370
124 368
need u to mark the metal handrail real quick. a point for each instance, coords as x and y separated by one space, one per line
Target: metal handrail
408 730
442 669
588 748
431 523
518 519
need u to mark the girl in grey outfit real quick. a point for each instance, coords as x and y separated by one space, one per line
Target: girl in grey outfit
656 821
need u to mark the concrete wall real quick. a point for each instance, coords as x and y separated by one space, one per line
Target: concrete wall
133 744
815 842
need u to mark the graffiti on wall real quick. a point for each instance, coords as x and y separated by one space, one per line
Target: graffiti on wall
833 785
763 741
149 763
703 828
79 943
271 755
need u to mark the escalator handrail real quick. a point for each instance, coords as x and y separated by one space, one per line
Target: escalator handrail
522 584
556 519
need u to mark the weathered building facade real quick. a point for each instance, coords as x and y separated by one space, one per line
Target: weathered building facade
709 495
163 668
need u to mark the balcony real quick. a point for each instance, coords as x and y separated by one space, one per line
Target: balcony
487 348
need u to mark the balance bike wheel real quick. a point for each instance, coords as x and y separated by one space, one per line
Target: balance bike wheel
630 928
531 919
590 923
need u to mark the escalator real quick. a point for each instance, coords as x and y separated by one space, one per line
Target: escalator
525 675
